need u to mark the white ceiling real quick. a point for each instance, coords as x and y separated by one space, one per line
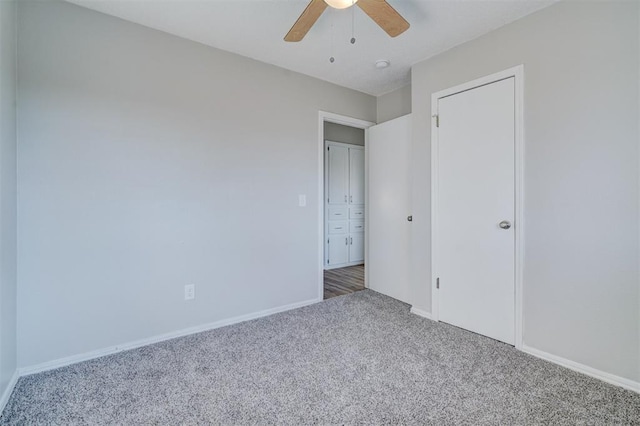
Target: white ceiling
255 28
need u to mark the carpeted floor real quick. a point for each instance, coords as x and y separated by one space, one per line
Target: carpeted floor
355 359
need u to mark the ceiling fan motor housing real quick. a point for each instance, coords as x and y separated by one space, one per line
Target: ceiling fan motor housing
340 4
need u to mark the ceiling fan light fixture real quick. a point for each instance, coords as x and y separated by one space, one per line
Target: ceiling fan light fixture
340 4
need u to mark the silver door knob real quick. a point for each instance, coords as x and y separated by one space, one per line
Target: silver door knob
505 224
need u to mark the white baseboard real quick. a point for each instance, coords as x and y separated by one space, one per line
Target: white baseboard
584 369
63 362
572 365
421 313
7 392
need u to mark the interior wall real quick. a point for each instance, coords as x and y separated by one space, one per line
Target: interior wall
346 134
394 104
148 162
581 283
8 201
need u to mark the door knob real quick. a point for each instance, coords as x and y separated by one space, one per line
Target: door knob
505 224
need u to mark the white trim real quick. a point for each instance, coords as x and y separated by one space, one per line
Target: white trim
8 390
420 313
518 73
343 265
346 121
366 208
435 311
62 362
584 369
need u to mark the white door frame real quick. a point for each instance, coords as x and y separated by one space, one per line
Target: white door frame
518 73
352 122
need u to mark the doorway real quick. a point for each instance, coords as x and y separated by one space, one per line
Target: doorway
344 209
343 204
476 206
341 281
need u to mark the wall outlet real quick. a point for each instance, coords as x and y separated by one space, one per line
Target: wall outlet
189 292
302 200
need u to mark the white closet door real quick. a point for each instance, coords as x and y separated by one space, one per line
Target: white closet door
476 208
356 176
389 146
338 249
338 179
356 247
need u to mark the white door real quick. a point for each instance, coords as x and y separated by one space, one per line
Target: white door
356 247
389 147
356 176
338 174
338 249
476 208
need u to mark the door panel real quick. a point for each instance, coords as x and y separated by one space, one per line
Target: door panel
356 171
476 187
338 179
389 146
338 249
356 247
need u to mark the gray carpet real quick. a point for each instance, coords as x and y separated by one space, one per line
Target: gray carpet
355 359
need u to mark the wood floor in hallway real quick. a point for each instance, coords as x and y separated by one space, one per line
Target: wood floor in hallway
338 282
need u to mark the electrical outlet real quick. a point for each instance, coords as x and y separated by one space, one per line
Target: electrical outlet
302 200
189 292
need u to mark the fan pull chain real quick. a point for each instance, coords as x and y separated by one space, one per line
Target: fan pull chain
332 59
353 22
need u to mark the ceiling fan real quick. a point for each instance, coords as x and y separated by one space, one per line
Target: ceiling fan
379 10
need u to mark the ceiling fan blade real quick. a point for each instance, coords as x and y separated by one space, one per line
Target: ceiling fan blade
306 20
385 16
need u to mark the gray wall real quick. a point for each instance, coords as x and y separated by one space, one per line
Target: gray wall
581 286
394 104
7 194
147 162
338 133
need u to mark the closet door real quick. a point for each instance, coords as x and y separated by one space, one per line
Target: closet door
338 171
356 247
338 249
475 250
356 176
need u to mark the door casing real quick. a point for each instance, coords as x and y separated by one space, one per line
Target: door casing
518 74
352 122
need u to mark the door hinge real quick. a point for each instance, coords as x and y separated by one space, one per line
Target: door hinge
328 148
437 117
438 283
328 241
